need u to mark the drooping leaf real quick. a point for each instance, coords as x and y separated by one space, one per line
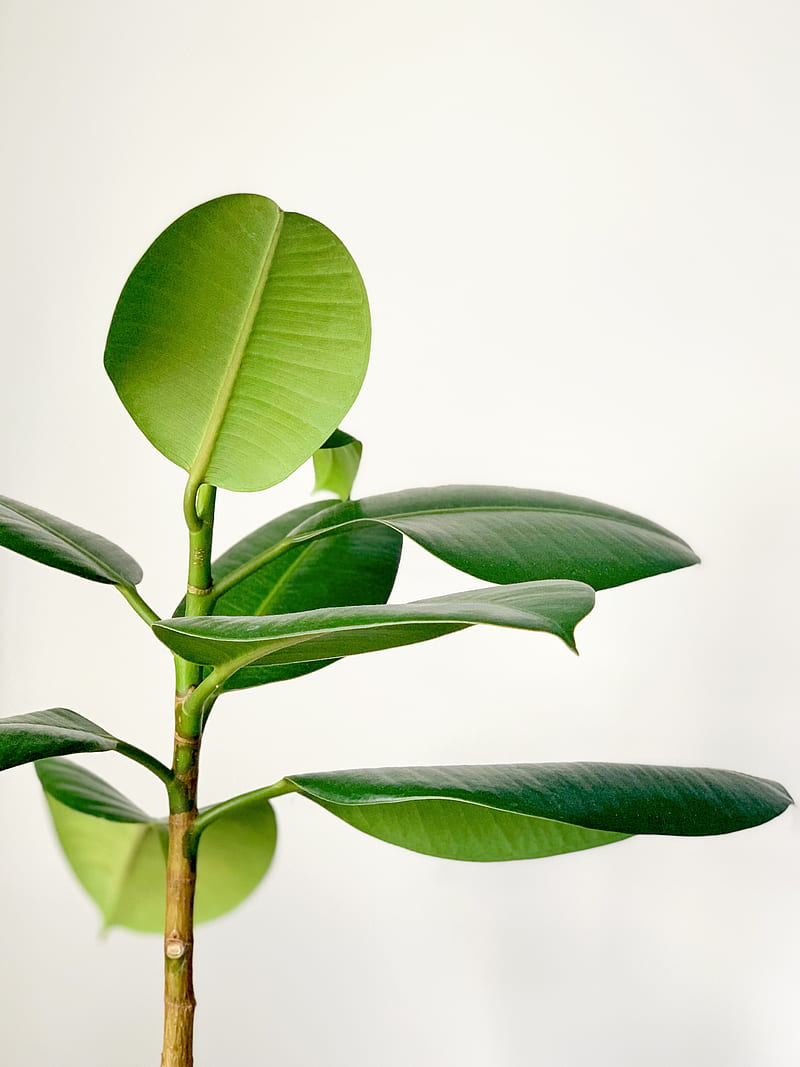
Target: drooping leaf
60 544
118 853
240 341
336 464
53 732
525 811
549 607
505 535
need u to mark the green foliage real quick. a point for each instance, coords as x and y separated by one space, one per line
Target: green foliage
357 566
233 642
60 544
238 345
54 732
523 811
240 341
336 464
503 535
118 853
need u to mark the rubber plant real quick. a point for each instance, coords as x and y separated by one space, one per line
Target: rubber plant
238 345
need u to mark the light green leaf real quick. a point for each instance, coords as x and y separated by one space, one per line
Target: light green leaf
240 341
336 465
505 535
118 853
233 642
525 811
53 732
60 544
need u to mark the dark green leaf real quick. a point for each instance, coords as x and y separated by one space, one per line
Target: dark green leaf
524 811
56 543
119 854
54 732
358 566
336 465
549 607
240 341
517 535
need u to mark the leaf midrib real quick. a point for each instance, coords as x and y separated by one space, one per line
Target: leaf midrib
399 515
216 417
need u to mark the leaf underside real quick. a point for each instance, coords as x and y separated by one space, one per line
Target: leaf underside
240 341
524 811
118 853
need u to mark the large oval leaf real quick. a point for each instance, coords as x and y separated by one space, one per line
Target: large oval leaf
525 811
240 340
57 543
52 732
358 566
505 535
234 642
118 853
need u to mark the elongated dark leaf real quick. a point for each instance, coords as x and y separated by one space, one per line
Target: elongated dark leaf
524 811
336 464
53 732
517 535
57 543
118 853
240 341
549 607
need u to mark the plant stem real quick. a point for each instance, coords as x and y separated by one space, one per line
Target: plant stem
179 999
139 605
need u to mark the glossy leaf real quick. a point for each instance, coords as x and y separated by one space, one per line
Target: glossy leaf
53 732
336 465
549 607
358 566
118 853
524 811
60 544
240 341
517 535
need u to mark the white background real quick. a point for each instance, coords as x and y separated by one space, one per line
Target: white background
578 226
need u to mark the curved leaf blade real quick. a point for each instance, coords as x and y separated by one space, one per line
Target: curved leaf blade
240 341
548 607
503 535
60 544
336 464
81 790
118 853
358 566
526 811
52 732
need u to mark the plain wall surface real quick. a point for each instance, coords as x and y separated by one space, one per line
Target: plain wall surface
578 227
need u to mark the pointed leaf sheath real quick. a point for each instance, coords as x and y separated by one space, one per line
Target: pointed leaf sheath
232 642
507 535
357 566
525 811
60 544
54 732
118 853
240 341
